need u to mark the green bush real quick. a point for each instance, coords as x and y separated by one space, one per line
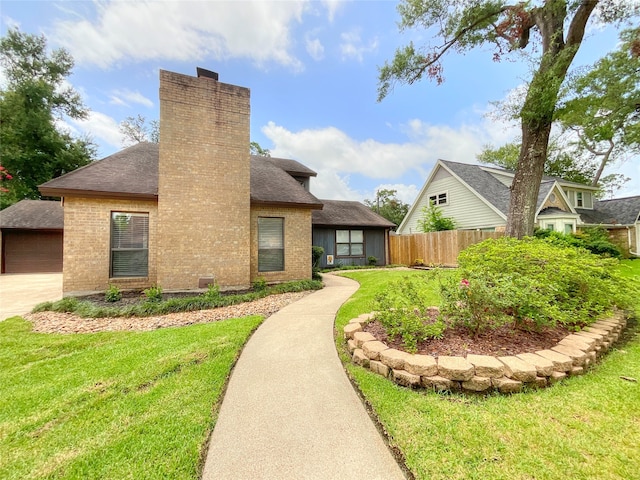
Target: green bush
213 292
533 283
594 239
402 310
433 220
259 284
372 261
153 293
113 294
316 256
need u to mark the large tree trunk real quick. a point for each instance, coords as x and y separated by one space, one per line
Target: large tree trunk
526 182
539 106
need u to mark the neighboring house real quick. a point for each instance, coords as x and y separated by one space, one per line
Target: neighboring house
477 197
350 233
194 209
31 237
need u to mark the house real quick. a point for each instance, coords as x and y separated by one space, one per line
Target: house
350 234
477 198
31 237
194 209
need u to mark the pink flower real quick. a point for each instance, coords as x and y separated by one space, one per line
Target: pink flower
464 282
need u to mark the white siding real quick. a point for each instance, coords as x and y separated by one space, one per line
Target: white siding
468 211
505 179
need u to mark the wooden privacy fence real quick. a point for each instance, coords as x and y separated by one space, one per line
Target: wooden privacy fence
435 248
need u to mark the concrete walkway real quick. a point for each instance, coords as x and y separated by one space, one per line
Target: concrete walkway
289 411
19 293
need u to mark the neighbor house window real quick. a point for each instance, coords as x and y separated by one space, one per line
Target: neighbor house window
270 244
129 244
349 243
579 199
550 226
439 199
568 228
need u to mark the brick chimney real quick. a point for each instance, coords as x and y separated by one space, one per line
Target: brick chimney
203 182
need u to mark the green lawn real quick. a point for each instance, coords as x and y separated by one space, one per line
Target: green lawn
584 428
119 405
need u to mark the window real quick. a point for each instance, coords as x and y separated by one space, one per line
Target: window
349 243
270 244
439 199
129 244
579 199
550 226
568 228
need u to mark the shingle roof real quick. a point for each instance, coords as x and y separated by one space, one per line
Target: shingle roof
292 167
133 172
270 184
33 215
619 211
340 213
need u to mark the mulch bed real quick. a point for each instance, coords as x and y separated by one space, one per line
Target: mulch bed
458 341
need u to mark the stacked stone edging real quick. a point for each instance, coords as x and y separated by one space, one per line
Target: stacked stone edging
484 373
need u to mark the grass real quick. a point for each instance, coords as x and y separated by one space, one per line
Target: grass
586 427
112 405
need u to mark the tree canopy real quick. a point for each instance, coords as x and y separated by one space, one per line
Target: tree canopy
35 97
136 129
555 28
387 205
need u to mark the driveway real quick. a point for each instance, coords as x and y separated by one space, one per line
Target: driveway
19 293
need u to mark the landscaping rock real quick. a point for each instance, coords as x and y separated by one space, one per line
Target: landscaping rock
556 377
561 363
486 366
361 337
351 328
358 320
423 365
365 317
373 348
544 366
598 338
576 371
351 345
379 368
577 356
477 384
506 385
360 358
540 382
576 344
590 342
393 358
406 379
518 369
455 368
439 384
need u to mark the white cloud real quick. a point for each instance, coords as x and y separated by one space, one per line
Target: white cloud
127 97
332 7
101 128
182 31
352 47
315 49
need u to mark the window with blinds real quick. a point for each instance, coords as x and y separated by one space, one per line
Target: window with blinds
349 243
270 244
129 244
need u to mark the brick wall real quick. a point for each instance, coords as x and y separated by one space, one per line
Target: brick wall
204 181
87 237
297 248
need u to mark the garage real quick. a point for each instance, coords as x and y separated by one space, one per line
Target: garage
32 237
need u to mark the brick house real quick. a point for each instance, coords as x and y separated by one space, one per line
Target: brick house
194 209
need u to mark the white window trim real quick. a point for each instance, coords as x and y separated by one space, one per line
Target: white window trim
436 195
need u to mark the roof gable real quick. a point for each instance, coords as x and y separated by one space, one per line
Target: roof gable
618 211
341 213
33 215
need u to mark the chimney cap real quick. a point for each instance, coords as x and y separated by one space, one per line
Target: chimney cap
202 72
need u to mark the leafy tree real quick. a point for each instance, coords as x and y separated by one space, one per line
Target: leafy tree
601 108
35 96
388 206
464 25
136 129
433 220
256 149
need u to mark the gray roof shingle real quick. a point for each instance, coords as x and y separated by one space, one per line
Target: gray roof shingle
133 172
340 213
33 215
619 211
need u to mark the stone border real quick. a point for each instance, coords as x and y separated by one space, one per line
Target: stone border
484 373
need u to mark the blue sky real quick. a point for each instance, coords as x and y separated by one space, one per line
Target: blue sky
312 69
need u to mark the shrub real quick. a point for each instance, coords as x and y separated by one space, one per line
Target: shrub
433 220
113 294
533 283
372 261
213 292
259 284
316 256
402 310
594 239
153 293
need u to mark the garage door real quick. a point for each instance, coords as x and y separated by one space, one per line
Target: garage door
27 251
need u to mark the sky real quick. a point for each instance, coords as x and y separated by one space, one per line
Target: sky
312 69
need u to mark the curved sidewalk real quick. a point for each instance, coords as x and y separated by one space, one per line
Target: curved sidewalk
289 411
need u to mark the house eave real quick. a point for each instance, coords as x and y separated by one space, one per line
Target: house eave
64 192
308 206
